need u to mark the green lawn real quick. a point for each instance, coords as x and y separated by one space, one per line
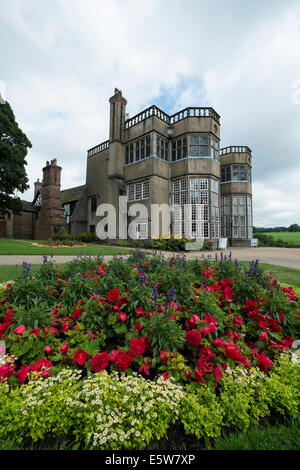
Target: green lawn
12 272
287 275
25 247
292 237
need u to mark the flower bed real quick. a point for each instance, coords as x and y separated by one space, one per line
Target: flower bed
208 326
58 243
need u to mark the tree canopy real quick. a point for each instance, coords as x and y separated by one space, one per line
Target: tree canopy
13 150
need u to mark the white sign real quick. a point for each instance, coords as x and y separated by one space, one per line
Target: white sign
254 242
223 243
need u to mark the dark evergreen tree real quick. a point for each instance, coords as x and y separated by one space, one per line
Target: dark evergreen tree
13 151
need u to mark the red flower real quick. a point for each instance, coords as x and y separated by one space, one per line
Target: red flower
35 332
41 364
145 367
80 357
64 348
20 330
233 353
287 342
264 361
123 361
114 354
165 356
23 373
193 337
113 295
165 375
263 336
198 376
205 354
99 362
218 373
139 312
48 350
138 326
76 314
122 317
5 372
251 308
65 326
237 321
192 322
219 343
137 347
227 294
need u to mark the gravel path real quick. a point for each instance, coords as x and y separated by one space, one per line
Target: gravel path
289 257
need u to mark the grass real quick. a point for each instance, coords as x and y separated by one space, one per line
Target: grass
287 275
292 237
25 247
10 272
271 438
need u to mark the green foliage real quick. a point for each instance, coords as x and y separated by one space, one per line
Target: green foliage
100 412
201 412
13 151
169 244
85 237
283 387
76 289
28 292
165 334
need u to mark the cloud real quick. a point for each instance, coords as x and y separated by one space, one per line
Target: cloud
62 59
277 204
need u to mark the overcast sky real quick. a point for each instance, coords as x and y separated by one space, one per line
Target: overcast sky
60 61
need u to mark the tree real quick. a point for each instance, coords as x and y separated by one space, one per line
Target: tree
294 228
13 150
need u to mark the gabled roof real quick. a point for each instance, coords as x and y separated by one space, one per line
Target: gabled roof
72 194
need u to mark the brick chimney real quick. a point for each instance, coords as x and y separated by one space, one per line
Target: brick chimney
50 218
37 186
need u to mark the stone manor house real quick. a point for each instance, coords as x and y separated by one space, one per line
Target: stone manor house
152 158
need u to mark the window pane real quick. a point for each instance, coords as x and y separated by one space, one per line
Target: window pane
194 151
204 151
138 191
183 185
176 186
183 198
131 192
204 197
204 140
176 198
194 184
235 173
194 140
145 189
194 198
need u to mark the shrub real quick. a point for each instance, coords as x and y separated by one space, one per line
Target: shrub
104 411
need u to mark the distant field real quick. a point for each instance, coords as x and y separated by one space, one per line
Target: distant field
293 237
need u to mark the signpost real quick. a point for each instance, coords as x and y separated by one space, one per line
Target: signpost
223 242
254 242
